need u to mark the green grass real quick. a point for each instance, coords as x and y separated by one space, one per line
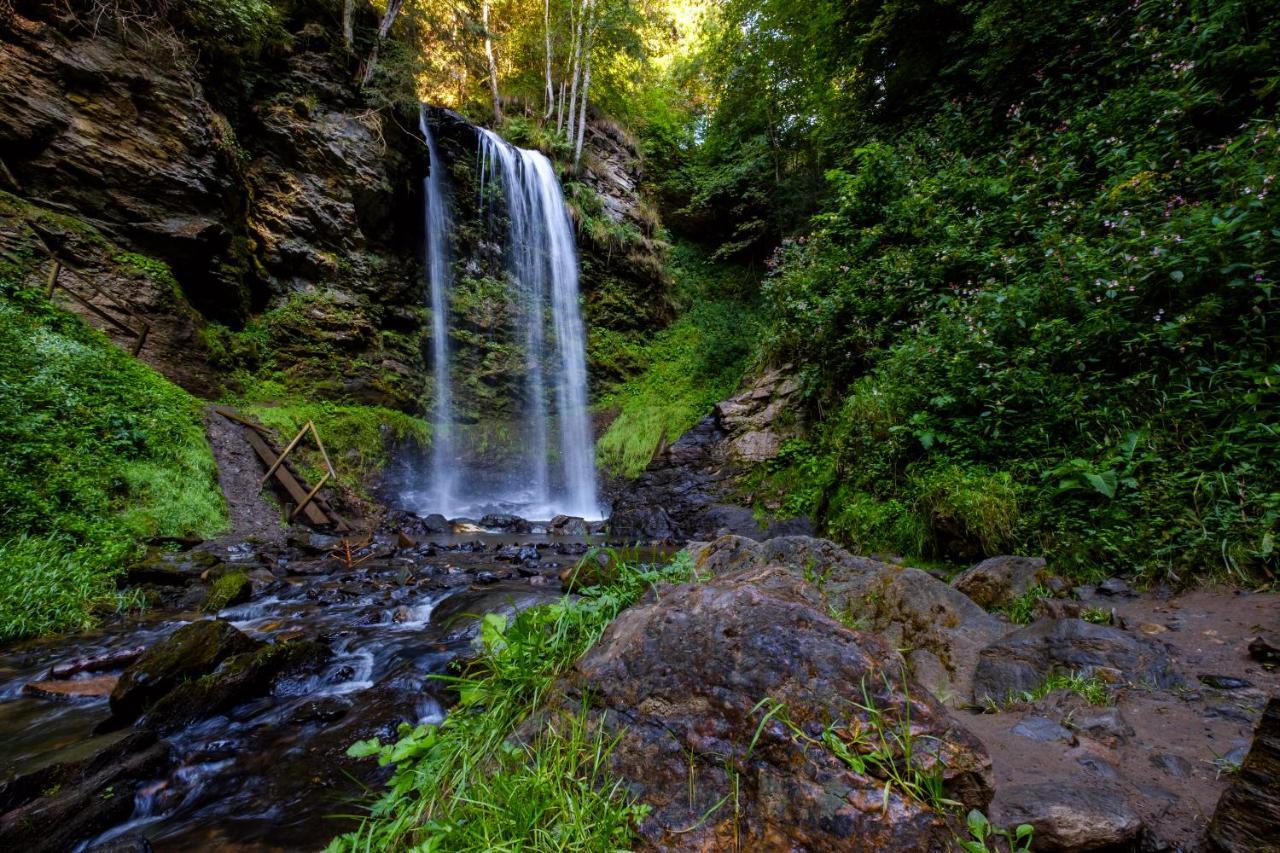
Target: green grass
101 452
1089 687
1021 609
688 367
465 785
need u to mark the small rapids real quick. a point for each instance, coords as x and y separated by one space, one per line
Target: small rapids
271 772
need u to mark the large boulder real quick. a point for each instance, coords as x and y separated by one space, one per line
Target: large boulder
1070 815
237 679
1023 660
725 699
1248 815
944 629
457 619
189 652
999 580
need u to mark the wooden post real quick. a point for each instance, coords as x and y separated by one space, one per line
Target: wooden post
52 281
142 339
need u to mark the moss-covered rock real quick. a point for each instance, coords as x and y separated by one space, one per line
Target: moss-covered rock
228 590
189 652
241 677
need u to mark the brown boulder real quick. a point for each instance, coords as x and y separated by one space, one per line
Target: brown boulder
945 629
725 698
999 580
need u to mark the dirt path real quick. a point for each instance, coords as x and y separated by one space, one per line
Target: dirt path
254 516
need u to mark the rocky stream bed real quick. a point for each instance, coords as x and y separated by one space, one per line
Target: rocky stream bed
220 718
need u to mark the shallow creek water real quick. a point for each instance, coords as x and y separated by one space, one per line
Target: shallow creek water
271 773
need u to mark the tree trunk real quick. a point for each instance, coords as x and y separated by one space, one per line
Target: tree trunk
576 67
560 109
546 33
349 22
384 28
493 66
586 85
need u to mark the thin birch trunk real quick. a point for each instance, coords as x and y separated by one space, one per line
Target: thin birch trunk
546 33
586 85
493 66
576 68
384 28
349 22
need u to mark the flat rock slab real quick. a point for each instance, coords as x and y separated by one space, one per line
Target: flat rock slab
80 688
1248 815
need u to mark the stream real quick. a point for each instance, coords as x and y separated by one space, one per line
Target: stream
271 772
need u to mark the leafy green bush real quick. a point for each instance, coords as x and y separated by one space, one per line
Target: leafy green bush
100 453
1056 336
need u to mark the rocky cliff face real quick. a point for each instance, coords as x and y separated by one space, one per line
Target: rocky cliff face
263 189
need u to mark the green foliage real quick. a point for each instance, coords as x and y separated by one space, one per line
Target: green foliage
1021 610
691 365
100 453
1035 306
467 785
987 838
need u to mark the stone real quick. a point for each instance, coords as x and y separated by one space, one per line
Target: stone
227 591
114 659
80 688
237 679
505 523
1042 729
1247 817
679 678
1224 682
567 525
899 601
998 580
1115 587
457 618
1175 765
1057 608
77 791
1265 649
170 568
129 843
1021 661
1069 815
189 652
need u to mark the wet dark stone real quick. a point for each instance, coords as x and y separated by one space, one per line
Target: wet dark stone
114 659
458 616
169 568
320 711
78 791
1021 661
1070 815
1224 682
506 523
129 843
1228 712
1264 649
1247 817
189 652
245 676
1115 587
567 525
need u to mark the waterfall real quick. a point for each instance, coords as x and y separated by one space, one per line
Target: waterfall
438 223
542 271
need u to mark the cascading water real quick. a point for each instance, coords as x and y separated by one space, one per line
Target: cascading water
438 224
542 271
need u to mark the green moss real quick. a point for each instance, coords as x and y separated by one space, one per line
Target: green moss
231 588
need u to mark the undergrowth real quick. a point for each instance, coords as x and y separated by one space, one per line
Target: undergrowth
100 452
467 785
688 367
